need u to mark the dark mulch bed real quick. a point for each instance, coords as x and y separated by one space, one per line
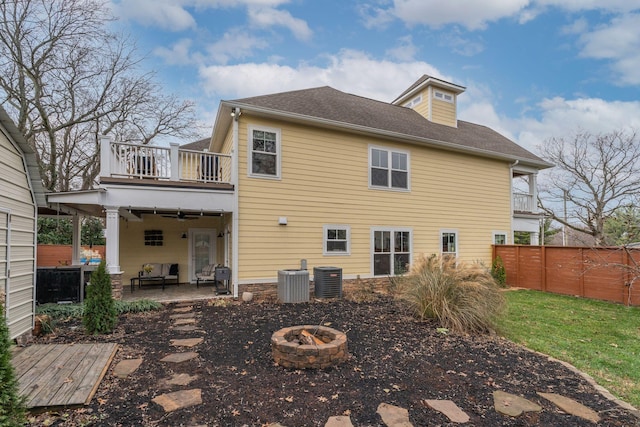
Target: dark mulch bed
394 359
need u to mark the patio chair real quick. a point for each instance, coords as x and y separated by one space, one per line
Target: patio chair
206 275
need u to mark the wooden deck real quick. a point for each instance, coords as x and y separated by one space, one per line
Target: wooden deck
61 374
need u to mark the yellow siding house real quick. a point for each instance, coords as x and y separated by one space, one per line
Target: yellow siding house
317 177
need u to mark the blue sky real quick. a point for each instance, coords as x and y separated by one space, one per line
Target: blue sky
533 69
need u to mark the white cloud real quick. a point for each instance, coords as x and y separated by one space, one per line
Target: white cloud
476 15
177 54
578 26
266 17
471 14
349 71
613 6
619 42
560 117
405 51
166 14
461 45
235 44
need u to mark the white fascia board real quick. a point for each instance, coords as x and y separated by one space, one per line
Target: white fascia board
168 198
149 198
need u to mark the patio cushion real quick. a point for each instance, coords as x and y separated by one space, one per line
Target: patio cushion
156 269
207 270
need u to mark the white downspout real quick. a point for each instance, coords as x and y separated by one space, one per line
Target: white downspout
235 220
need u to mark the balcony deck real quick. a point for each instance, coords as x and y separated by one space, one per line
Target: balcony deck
124 163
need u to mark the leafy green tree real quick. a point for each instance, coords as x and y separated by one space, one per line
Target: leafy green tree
58 231
100 316
623 226
12 411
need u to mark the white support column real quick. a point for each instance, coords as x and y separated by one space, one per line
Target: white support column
235 221
535 239
105 155
113 240
174 158
76 239
533 190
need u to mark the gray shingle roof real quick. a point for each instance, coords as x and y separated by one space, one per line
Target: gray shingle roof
329 104
201 144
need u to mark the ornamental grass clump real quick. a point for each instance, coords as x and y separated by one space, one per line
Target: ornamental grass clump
462 297
100 315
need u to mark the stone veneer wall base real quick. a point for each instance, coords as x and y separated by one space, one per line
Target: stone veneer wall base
268 292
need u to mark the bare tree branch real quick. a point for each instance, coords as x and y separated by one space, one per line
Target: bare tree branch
67 79
595 175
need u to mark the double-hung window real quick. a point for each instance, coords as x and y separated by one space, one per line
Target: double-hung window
499 238
264 152
449 245
388 168
391 251
336 239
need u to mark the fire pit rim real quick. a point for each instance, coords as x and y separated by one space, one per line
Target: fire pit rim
292 354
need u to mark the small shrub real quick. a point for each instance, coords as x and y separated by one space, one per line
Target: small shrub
100 315
364 291
12 410
462 297
139 306
65 312
61 312
498 272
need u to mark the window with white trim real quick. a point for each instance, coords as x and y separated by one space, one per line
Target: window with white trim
415 101
336 239
443 96
264 152
449 243
391 251
499 238
388 168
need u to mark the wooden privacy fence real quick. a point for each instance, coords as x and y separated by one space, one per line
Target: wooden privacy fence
611 274
59 255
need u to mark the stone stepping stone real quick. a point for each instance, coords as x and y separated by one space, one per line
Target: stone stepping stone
177 379
572 407
394 416
179 399
339 421
512 405
179 357
448 408
182 309
182 316
126 367
187 342
185 321
188 328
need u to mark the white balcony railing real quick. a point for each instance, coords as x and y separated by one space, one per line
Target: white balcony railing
123 160
523 202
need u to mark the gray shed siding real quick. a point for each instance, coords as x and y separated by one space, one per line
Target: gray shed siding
17 237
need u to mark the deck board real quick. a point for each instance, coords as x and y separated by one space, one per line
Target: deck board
61 374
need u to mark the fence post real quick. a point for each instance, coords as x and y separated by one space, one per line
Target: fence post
543 267
626 287
517 266
582 272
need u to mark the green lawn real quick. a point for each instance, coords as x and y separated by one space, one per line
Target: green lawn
599 338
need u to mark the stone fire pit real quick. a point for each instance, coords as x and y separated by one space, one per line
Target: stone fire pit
290 348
